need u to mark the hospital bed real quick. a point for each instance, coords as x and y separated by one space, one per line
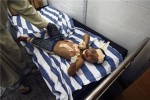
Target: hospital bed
91 81
95 90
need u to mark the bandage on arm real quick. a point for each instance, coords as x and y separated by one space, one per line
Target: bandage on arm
82 45
75 66
73 59
72 67
85 42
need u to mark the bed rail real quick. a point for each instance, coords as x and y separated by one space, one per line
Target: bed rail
104 85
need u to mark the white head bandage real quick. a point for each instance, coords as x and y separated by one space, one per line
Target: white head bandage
101 56
84 51
103 45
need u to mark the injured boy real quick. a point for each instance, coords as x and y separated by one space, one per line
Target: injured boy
76 53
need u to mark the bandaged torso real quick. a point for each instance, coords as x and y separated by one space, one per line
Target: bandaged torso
72 48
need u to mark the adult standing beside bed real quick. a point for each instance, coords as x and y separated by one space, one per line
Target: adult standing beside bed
12 63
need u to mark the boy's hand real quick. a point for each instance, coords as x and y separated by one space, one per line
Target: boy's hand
82 45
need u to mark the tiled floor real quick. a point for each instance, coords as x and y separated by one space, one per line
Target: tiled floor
39 91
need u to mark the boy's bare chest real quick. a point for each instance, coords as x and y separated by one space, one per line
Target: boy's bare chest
67 48
70 46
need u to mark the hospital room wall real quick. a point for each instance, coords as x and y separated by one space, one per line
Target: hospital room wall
126 22
74 8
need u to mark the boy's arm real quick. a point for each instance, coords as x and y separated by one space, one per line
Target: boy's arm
75 66
85 43
86 39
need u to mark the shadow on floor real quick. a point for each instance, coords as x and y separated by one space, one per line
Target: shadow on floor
39 90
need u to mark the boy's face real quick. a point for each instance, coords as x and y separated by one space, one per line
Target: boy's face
90 55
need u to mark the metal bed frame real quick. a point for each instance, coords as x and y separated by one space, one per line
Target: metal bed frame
106 83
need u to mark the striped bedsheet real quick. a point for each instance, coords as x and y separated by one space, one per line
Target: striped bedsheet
52 67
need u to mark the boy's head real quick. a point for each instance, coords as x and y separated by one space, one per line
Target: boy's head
92 55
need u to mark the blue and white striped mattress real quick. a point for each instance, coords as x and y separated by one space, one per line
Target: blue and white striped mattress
52 67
